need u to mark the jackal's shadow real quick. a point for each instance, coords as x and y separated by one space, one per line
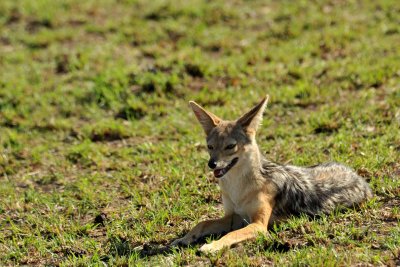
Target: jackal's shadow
159 248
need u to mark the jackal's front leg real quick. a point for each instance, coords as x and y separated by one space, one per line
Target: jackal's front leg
259 225
218 226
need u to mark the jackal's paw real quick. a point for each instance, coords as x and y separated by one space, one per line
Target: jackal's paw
211 248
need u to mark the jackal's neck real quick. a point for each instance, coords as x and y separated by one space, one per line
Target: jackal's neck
255 158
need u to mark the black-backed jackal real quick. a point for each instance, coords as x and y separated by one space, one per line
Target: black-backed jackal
257 192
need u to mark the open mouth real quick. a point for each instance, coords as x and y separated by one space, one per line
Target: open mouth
218 173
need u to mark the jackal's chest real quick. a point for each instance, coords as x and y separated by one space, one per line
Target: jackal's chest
235 207
233 200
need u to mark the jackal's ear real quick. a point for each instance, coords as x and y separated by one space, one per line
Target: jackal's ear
252 119
206 118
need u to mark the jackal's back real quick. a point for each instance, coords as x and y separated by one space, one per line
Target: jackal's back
314 190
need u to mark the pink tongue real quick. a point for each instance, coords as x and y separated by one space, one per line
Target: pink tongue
218 172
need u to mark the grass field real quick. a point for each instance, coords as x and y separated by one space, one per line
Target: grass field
102 161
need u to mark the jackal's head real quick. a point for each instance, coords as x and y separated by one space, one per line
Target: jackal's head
230 143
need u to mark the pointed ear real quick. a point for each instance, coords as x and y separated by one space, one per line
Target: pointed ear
206 118
252 119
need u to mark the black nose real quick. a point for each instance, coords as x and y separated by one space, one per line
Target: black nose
212 164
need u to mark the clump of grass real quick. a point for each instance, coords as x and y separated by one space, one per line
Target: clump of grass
132 111
84 154
108 130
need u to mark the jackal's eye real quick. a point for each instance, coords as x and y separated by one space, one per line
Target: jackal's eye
231 146
210 147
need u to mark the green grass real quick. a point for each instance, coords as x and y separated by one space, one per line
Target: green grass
100 154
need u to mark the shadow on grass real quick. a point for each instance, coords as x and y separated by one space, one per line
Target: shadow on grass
158 248
123 247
